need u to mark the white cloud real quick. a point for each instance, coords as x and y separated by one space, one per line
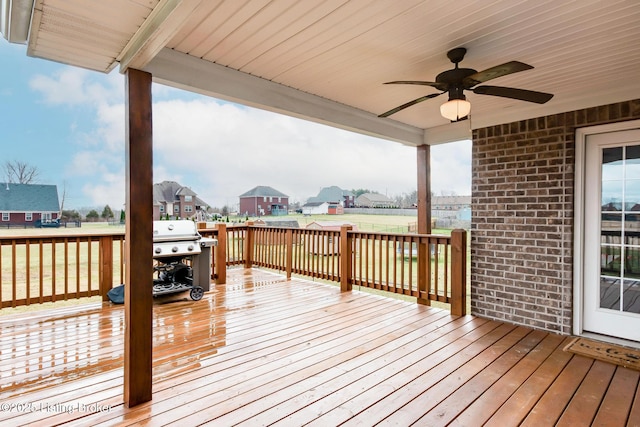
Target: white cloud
74 86
451 168
221 150
231 149
110 191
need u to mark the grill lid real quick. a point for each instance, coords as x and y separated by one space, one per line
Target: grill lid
170 231
175 238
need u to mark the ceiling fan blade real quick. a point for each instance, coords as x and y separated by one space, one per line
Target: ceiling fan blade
409 104
440 86
509 92
495 72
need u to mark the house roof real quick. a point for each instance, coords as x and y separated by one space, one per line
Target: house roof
330 194
29 198
168 192
286 223
375 197
314 204
330 225
263 191
326 61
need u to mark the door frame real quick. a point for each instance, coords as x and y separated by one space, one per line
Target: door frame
579 213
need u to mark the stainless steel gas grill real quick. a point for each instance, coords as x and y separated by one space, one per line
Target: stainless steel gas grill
183 259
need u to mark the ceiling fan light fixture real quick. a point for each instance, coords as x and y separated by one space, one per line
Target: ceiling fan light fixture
455 109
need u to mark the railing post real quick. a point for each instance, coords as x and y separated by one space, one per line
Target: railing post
106 266
345 258
458 272
248 245
220 253
424 279
289 259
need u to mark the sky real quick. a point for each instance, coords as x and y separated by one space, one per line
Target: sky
69 123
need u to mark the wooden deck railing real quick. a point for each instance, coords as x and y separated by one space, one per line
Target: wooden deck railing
428 267
52 268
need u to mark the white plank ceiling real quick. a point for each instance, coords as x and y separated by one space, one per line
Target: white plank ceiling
327 60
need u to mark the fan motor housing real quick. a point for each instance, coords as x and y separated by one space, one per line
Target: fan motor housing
455 76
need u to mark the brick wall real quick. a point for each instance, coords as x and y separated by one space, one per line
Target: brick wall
522 216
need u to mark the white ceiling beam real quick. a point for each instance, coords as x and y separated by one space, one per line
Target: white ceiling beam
186 72
166 19
457 131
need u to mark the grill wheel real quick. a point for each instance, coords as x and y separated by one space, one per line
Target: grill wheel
196 293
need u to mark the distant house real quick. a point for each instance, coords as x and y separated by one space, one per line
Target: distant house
25 204
263 200
324 245
374 200
280 223
334 195
330 225
451 207
177 201
316 208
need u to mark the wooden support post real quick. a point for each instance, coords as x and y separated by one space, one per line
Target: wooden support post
424 221
221 255
248 245
138 344
345 258
424 189
106 266
289 249
458 272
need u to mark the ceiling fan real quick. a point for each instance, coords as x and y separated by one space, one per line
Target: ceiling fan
457 80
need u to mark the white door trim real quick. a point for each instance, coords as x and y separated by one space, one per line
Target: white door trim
578 213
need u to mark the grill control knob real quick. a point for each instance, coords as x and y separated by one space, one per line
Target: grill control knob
190 247
174 249
158 250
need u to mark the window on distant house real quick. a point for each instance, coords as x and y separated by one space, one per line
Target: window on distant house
45 216
176 208
264 199
161 208
5 216
188 208
28 216
187 198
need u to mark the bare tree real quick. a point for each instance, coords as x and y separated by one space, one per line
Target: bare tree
64 195
18 172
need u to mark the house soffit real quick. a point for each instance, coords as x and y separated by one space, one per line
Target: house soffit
327 60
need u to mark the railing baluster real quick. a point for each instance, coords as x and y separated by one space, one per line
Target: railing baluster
89 269
66 268
53 271
78 267
1 276
28 271
14 296
41 271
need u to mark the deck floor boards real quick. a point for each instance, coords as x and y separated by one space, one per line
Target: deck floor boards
264 350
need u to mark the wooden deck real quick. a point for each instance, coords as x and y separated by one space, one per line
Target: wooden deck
264 350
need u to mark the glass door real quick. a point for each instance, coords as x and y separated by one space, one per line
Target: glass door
612 235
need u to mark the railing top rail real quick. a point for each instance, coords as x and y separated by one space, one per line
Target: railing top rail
417 236
58 236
